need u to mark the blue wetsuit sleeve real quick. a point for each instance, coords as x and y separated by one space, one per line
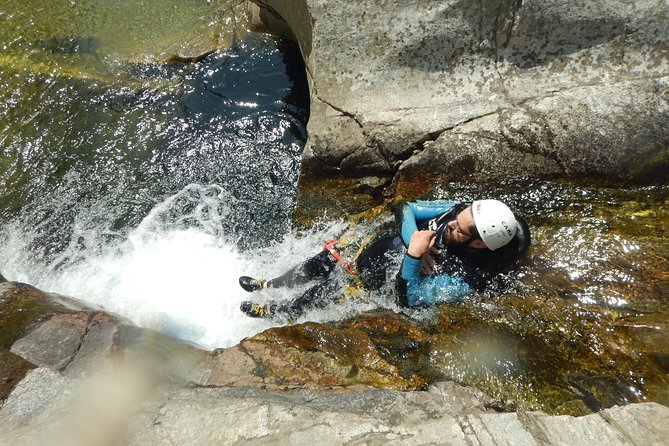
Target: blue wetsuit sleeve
429 290
416 211
409 225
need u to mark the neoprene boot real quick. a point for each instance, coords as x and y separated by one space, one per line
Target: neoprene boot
257 310
250 284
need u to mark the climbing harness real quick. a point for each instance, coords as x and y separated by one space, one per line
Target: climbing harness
349 266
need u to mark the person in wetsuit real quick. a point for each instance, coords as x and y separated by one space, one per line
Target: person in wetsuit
456 248
451 249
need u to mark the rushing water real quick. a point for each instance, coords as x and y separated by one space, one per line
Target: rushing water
140 185
148 187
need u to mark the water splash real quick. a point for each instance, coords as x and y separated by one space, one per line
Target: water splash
176 272
141 187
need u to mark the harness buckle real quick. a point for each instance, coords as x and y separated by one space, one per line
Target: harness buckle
331 247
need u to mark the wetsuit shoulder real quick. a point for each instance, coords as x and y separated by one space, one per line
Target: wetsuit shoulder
414 215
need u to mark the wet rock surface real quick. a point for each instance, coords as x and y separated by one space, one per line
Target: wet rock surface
375 350
83 376
41 407
12 370
424 93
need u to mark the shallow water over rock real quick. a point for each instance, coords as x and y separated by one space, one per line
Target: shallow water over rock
578 325
95 148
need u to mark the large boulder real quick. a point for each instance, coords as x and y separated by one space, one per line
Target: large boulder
39 329
482 90
49 408
73 374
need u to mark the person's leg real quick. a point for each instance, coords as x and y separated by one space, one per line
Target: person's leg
318 296
320 265
375 259
372 263
317 266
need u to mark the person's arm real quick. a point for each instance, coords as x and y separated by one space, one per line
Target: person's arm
413 212
422 290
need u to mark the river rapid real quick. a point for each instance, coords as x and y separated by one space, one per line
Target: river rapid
143 186
148 187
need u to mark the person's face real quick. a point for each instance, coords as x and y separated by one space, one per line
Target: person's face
458 230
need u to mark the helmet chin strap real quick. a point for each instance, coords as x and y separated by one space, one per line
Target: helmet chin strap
440 242
441 223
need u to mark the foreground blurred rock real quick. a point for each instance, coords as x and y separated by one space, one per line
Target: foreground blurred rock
77 375
210 416
408 95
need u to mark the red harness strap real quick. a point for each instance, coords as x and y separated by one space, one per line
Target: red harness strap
331 246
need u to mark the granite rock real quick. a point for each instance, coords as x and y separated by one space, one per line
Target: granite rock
423 93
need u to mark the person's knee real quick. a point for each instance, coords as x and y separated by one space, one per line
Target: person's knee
320 265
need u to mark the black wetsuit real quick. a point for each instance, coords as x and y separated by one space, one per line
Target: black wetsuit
370 267
386 249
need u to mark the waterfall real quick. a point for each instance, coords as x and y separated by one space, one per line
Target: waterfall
141 186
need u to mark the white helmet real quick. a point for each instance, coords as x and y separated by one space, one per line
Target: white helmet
495 222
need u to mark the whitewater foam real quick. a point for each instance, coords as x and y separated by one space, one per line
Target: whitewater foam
182 281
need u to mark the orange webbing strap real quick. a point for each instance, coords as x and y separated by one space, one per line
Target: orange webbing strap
331 246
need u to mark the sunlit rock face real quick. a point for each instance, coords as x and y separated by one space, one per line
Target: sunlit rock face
434 90
76 339
516 353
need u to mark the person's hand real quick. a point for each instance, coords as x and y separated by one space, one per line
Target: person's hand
421 242
428 262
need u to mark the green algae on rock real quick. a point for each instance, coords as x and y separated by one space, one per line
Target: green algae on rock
132 31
